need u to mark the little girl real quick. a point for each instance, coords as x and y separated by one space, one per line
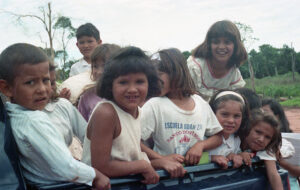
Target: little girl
263 138
231 110
178 121
89 97
214 63
112 142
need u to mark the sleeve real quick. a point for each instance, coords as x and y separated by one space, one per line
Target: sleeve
238 80
72 71
82 108
264 155
44 147
212 125
287 150
78 123
194 71
216 151
148 121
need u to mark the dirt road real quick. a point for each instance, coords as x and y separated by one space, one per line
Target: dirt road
293 115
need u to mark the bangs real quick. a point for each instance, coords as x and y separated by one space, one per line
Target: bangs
219 33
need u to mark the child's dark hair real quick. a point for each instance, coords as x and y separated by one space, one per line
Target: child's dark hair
103 53
253 99
173 62
227 29
16 55
216 102
127 60
89 30
258 116
278 112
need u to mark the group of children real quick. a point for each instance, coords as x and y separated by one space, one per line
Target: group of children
139 114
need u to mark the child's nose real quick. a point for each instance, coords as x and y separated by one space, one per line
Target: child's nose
132 88
41 88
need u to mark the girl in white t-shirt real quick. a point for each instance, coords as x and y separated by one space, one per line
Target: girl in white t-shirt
231 110
113 139
179 120
214 63
263 139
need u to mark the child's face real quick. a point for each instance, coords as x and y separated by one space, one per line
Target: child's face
31 87
97 69
222 49
166 83
53 81
86 45
260 136
129 91
229 115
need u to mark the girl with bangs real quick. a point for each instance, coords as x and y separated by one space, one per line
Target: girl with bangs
179 121
214 63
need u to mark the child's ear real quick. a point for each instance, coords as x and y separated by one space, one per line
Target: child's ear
99 42
77 44
5 88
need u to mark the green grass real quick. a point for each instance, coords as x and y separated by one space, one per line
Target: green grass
294 102
279 86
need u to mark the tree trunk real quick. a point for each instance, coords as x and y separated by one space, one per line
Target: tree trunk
251 75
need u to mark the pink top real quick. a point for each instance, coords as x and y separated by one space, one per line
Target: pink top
87 102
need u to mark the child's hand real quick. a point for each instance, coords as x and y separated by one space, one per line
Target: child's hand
193 155
247 157
174 168
220 160
175 157
65 93
101 181
236 159
150 175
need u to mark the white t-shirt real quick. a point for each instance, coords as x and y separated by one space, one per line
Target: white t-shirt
79 67
230 145
206 83
175 130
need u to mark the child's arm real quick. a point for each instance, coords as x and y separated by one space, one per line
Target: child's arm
273 175
104 128
194 154
294 170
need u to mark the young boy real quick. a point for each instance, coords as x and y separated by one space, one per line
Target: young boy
88 38
44 156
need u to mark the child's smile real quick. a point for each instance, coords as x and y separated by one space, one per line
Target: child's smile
222 49
129 91
229 115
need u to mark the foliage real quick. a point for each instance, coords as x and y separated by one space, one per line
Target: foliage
186 54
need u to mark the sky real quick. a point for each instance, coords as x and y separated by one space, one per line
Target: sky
155 24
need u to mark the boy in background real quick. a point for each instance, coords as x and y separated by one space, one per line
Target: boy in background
88 38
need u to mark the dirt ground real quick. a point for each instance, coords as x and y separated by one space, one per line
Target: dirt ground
293 115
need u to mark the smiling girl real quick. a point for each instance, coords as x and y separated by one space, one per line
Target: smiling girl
112 142
263 138
231 110
214 63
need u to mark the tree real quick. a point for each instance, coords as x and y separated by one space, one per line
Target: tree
64 26
248 39
46 18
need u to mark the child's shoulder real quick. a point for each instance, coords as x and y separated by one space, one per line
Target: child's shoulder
195 61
